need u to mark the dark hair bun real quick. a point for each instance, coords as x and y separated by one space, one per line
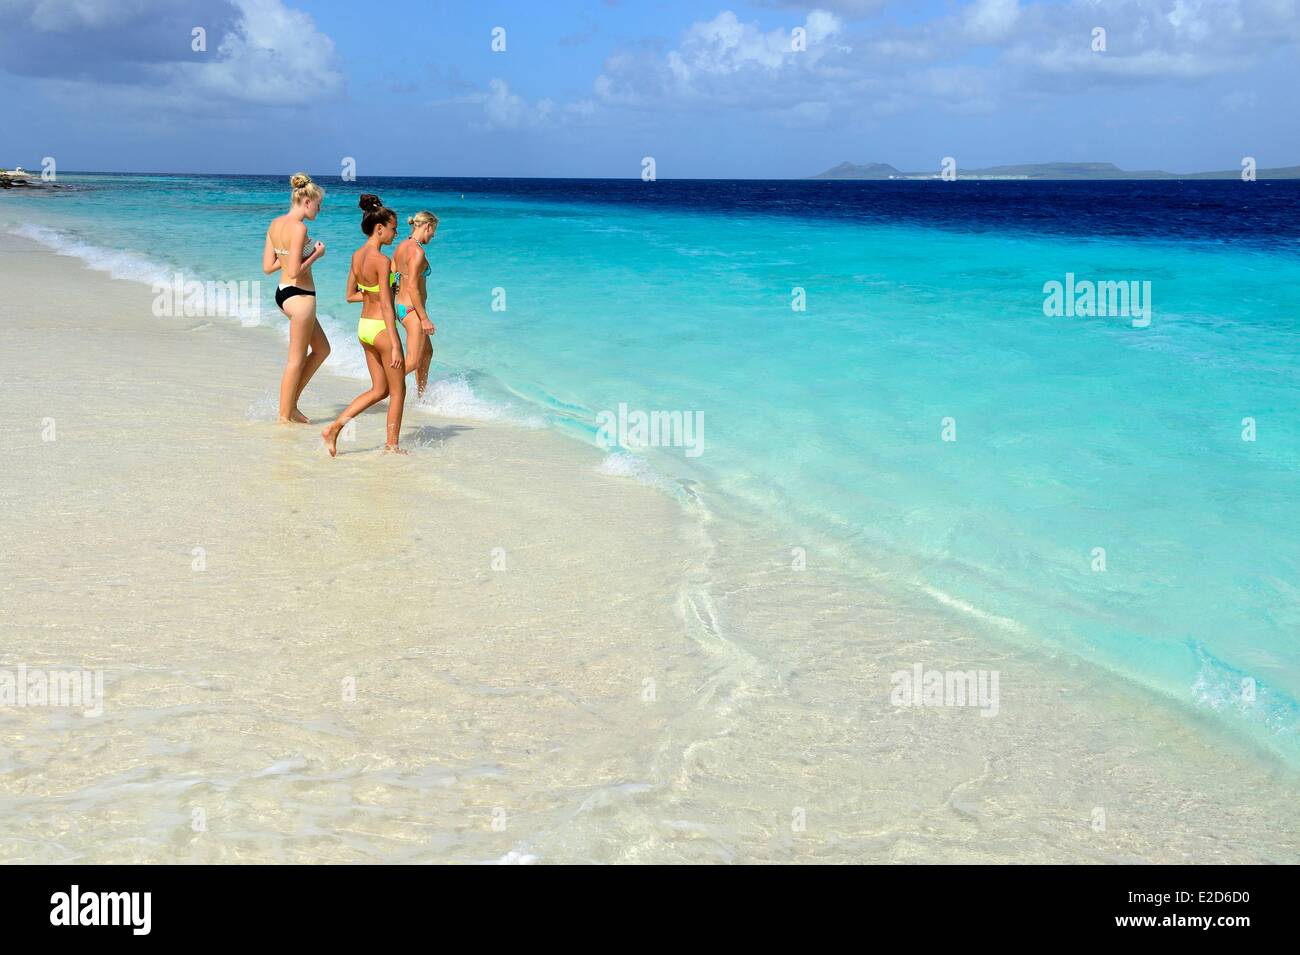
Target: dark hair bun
375 214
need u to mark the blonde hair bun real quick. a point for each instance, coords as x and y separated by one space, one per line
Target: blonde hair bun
304 190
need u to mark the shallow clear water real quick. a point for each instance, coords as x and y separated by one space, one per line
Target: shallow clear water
924 311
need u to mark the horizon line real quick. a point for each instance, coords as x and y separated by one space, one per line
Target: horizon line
909 177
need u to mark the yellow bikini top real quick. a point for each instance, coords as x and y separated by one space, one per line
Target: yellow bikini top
392 280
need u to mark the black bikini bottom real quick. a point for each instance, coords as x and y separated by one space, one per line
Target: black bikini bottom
281 294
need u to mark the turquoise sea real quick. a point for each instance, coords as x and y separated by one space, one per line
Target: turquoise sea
1128 495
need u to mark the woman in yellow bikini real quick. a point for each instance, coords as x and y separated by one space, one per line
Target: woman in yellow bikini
413 268
370 282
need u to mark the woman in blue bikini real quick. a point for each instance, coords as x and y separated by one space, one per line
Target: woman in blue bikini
413 267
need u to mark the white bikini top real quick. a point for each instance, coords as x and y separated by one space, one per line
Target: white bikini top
308 247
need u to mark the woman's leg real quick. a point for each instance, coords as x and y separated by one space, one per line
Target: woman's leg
378 392
301 312
320 350
419 352
413 336
396 393
422 373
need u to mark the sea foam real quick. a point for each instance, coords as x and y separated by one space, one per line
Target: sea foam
454 397
118 264
134 267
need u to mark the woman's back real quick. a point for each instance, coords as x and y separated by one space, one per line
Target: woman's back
372 270
405 258
282 231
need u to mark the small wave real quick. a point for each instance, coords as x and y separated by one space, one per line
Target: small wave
118 264
454 397
193 292
265 408
1223 688
623 464
948 600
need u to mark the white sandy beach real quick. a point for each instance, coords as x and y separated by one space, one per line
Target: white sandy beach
223 686
639 683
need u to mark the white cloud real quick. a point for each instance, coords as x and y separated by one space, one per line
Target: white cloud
725 61
989 21
725 45
1186 20
849 9
137 52
274 55
506 110
1150 40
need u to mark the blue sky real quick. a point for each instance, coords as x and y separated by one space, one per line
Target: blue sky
710 89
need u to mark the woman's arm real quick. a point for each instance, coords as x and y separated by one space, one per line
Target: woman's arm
351 292
294 263
390 316
318 250
421 294
270 261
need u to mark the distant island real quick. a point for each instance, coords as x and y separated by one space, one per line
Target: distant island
1045 171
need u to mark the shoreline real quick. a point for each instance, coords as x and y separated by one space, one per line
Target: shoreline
442 583
769 690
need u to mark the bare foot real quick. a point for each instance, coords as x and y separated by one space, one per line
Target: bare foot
394 449
331 436
299 417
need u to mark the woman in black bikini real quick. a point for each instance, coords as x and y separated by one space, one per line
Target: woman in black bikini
289 251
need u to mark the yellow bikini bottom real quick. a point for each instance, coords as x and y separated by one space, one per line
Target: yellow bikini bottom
368 328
